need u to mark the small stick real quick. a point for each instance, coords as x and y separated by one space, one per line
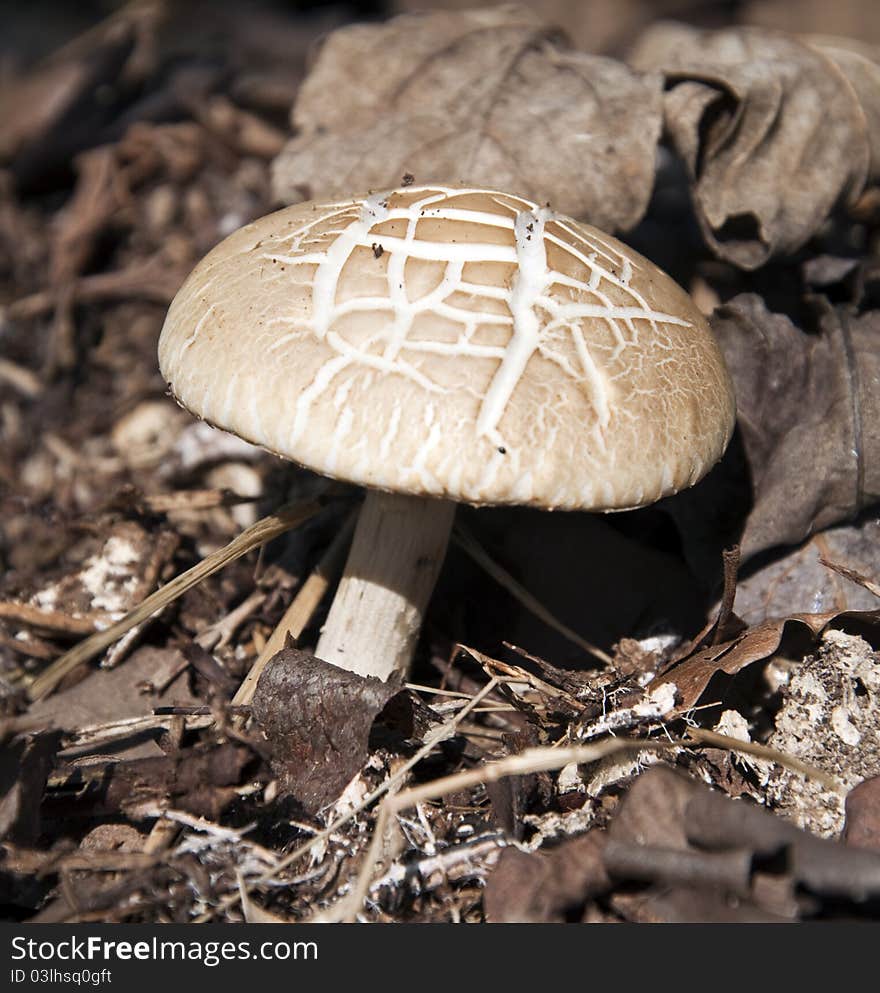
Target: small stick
469 544
49 620
287 517
163 503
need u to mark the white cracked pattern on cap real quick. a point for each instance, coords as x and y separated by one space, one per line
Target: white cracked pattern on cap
453 342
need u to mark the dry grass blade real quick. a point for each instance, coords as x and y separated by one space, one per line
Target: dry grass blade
301 609
468 543
287 517
712 739
545 759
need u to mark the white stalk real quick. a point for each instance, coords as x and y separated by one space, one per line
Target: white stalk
398 549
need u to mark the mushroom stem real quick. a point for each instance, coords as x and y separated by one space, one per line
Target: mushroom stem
396 555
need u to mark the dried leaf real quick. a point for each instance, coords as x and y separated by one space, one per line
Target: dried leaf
803 579
317 719
109 695
479 97
692 674
771 131
860 63
862 829
809 414
539 888
666 805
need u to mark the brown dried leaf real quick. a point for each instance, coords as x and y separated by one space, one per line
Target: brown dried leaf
692 674
771 130
480 97
809 414
317 719
860 63
804 578
862 829
538 888
666 806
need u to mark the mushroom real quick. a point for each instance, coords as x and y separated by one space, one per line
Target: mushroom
441 344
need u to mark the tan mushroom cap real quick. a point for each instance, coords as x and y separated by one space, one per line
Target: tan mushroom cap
453 342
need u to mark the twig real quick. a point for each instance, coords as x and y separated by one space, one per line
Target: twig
21 379
454 862
50 620
851 575
218 634
287 517
163 503
730 557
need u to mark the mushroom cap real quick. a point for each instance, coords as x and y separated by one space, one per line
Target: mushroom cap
453 342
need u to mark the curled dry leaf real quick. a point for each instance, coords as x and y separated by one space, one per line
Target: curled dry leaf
770 128
860 63
809 415
317 719
479 97
692 672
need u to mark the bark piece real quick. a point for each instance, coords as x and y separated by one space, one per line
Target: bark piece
317 719
202 780
477 97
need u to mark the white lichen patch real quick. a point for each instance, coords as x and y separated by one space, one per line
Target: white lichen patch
657 704
107 577
734 725
830 718
107 584
569 779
